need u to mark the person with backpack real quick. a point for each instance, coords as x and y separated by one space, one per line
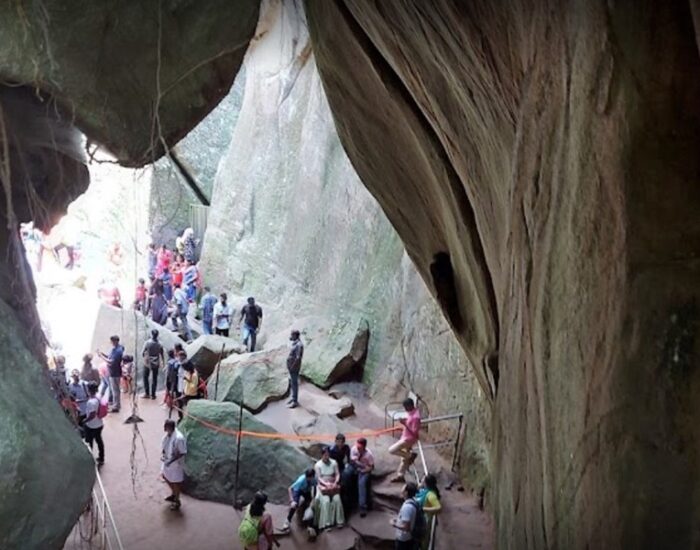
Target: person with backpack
174 449
410 525
256 531
429 498
95 411
153 359
251 315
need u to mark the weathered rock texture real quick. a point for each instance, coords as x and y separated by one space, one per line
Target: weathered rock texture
266 465
254 378
207 350
136 76
40 498
540 164
291 224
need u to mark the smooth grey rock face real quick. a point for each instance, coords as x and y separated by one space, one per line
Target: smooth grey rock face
292 225
254 378
46 472
267 465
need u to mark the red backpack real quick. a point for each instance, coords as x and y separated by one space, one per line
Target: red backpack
103 407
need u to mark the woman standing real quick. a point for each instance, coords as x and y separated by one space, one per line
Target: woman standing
329 508
429 498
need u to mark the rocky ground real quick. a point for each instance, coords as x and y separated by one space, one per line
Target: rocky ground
144 520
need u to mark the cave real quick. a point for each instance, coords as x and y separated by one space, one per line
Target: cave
517 231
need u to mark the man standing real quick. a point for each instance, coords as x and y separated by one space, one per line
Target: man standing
153 359
182 308
207 304
361 465
409 437
296 352
114 366
405 523
174 449
222 316
93 423
251 315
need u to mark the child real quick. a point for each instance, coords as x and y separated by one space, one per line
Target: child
127 374
172 367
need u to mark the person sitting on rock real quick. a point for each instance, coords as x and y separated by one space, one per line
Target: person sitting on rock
329 508
409 437
359 471
174 449
300 497
340 452
256 531
251 315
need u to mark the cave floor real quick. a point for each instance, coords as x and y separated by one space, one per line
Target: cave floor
145 521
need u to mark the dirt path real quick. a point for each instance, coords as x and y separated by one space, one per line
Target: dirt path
145 521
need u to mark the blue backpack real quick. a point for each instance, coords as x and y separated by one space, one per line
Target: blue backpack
420 525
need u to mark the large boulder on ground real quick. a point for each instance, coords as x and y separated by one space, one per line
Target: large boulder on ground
319 404
206 350
270 465
335 353
254 378
45 466
334 348
132 328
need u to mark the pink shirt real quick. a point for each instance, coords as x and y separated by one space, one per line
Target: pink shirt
366 459
411 429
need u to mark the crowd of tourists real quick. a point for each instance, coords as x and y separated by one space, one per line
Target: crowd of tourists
322 496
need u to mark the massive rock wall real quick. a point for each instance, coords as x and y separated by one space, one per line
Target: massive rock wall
292 224
542 171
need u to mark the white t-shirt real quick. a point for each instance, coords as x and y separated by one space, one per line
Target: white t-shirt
222 323
93 405
175 471
407 514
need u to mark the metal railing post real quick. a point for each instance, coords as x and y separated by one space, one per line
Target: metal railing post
455 453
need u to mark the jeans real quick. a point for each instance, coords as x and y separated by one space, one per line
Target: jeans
207 326
153 372
115 392
95 434
300 501
294 384
350 474
187 333
104 386
249 334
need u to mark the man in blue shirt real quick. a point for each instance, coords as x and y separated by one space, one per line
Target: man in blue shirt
300 495
114 366
207 304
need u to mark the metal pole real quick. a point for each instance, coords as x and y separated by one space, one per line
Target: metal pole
238 449
218 368
456 449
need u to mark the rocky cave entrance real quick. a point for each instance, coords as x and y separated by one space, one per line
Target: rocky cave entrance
339 274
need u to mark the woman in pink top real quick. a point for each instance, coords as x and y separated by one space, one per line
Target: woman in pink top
409 436
163 259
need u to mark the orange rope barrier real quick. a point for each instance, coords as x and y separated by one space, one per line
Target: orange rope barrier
287 437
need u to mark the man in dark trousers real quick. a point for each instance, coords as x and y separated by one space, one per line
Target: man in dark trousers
153 359
251 315
296 352
114 365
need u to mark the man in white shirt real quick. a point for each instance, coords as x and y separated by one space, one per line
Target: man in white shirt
93 423
222 316
174 449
